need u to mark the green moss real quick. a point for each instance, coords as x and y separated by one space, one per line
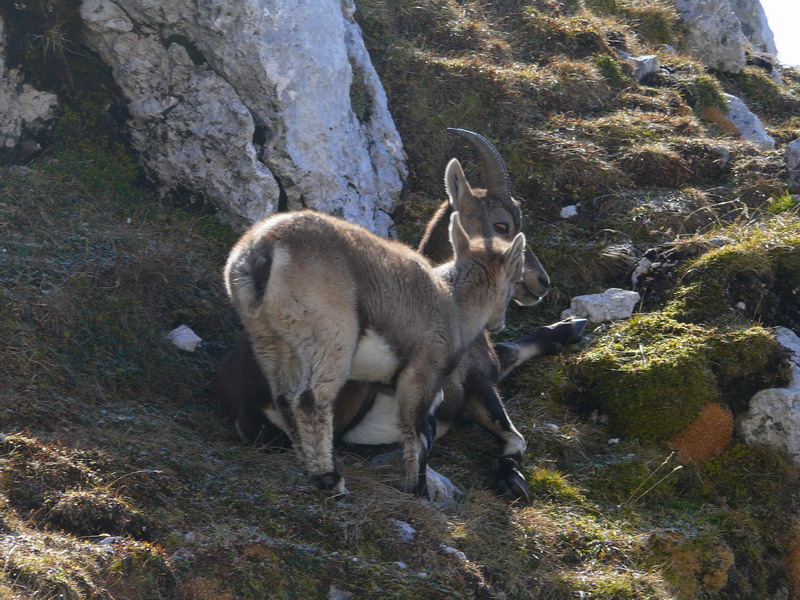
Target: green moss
86 145
656 22
611 69
704 91
783 204
758 277
745 361
574 36
95 512
649 374
652 374
653 165
626 480
549 484
360 98
758 485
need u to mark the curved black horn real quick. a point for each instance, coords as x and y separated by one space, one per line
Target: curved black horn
495 173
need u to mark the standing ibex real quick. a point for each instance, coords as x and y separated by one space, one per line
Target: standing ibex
360 415
324 301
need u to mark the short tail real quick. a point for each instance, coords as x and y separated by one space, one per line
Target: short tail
247 275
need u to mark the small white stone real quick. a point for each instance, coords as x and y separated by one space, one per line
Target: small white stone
184 338
457 553
569 211
406 532
644 65
612 305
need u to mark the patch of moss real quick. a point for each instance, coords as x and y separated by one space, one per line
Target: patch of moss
759 485
94 512
703 91
612 69
656 22
625 480
652 374
549 484
360 98
648 374
759 277
86 144
575 36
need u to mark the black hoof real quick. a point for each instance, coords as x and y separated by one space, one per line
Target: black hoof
510 481
326 481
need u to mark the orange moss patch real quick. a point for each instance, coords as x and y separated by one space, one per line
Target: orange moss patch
693 565
705 438
720 119
201 588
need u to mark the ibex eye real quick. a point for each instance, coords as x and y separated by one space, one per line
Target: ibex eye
501 228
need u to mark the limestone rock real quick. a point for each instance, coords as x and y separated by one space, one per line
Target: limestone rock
23 109
644 66
792 158
739 120
754 24
773 417
612 305
249 106
714 33
748 124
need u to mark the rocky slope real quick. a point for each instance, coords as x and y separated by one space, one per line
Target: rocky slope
118 478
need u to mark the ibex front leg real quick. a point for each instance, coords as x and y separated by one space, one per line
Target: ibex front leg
484 404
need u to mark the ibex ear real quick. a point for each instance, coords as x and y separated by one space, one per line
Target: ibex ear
514 256
458 237
459 190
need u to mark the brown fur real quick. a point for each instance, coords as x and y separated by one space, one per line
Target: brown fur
311 288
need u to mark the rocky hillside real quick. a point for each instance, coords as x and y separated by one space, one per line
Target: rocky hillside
663 456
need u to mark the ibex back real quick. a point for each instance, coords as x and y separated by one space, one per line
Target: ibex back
324 301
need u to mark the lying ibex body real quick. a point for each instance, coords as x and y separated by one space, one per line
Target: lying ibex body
324 301
360 414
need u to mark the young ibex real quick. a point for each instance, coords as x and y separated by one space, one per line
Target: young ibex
360 414
324 301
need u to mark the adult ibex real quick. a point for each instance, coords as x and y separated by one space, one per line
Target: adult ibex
363 412
324 301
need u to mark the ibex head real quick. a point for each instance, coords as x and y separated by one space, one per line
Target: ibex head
493 212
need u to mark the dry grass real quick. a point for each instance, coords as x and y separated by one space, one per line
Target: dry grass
103 417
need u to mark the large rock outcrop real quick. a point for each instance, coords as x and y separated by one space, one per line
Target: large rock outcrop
23 109
714 33
257 106
754 23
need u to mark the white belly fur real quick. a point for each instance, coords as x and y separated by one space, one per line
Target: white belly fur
381 425
374 359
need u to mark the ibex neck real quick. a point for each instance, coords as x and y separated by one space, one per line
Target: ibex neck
472 290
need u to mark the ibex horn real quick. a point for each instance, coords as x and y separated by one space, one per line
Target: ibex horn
494 167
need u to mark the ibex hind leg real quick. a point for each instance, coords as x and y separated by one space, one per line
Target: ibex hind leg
325 368
418 429
307 416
